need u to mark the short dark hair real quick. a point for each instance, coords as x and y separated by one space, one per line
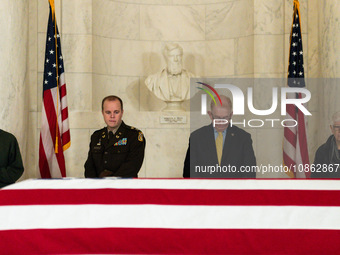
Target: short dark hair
112 98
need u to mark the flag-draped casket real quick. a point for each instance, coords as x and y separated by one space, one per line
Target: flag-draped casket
170 216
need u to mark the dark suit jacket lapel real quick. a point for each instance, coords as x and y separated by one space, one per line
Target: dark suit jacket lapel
211 144
228 145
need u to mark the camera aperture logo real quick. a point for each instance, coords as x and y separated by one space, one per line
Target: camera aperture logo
204 97
288 96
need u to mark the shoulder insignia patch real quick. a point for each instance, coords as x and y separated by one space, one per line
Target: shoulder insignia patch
140 136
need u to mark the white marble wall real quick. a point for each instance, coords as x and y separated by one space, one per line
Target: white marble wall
13 70
329 37
127 45
111 46
325 41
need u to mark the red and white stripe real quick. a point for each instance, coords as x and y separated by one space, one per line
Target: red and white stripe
146 216
295 149
52 164
65 132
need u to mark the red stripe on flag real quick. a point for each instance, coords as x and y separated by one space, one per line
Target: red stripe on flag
172 197
170 241
291 111
64 114
62 90
290 137
66 136
43 163
51 114
54 132
303 138
61 159
288 161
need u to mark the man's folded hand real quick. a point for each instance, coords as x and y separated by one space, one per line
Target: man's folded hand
105 173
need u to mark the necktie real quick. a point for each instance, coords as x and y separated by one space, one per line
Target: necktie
110 136
219 146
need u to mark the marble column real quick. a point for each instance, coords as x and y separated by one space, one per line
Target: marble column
329 41
329 37
13 69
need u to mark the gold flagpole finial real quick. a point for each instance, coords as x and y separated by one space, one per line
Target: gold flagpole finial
296 4
52 8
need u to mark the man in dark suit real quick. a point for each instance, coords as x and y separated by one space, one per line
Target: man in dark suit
118 149
327 157
11 167
220 150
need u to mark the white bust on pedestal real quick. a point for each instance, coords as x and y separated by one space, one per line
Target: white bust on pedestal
172 84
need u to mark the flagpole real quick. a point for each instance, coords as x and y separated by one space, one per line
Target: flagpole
295 148
51 2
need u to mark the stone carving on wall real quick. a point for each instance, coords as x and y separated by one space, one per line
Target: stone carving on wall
171 84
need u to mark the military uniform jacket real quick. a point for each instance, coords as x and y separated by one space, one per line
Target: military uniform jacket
122 154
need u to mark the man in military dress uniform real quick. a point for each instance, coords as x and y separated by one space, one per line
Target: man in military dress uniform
116 150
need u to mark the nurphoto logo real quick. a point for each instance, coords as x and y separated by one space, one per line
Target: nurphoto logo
288 97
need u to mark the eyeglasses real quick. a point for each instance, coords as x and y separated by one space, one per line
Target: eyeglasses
337 128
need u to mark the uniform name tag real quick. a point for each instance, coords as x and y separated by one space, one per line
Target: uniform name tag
121 142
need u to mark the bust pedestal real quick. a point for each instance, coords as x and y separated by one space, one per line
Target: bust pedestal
173 106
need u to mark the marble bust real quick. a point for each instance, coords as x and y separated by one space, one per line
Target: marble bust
172 83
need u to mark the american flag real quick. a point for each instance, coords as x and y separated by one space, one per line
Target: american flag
174 216
295 149
54 133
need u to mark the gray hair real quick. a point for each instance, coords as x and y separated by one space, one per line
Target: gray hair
336 117
226 102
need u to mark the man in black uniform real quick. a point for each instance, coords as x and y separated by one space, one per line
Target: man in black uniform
118 149
11 167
